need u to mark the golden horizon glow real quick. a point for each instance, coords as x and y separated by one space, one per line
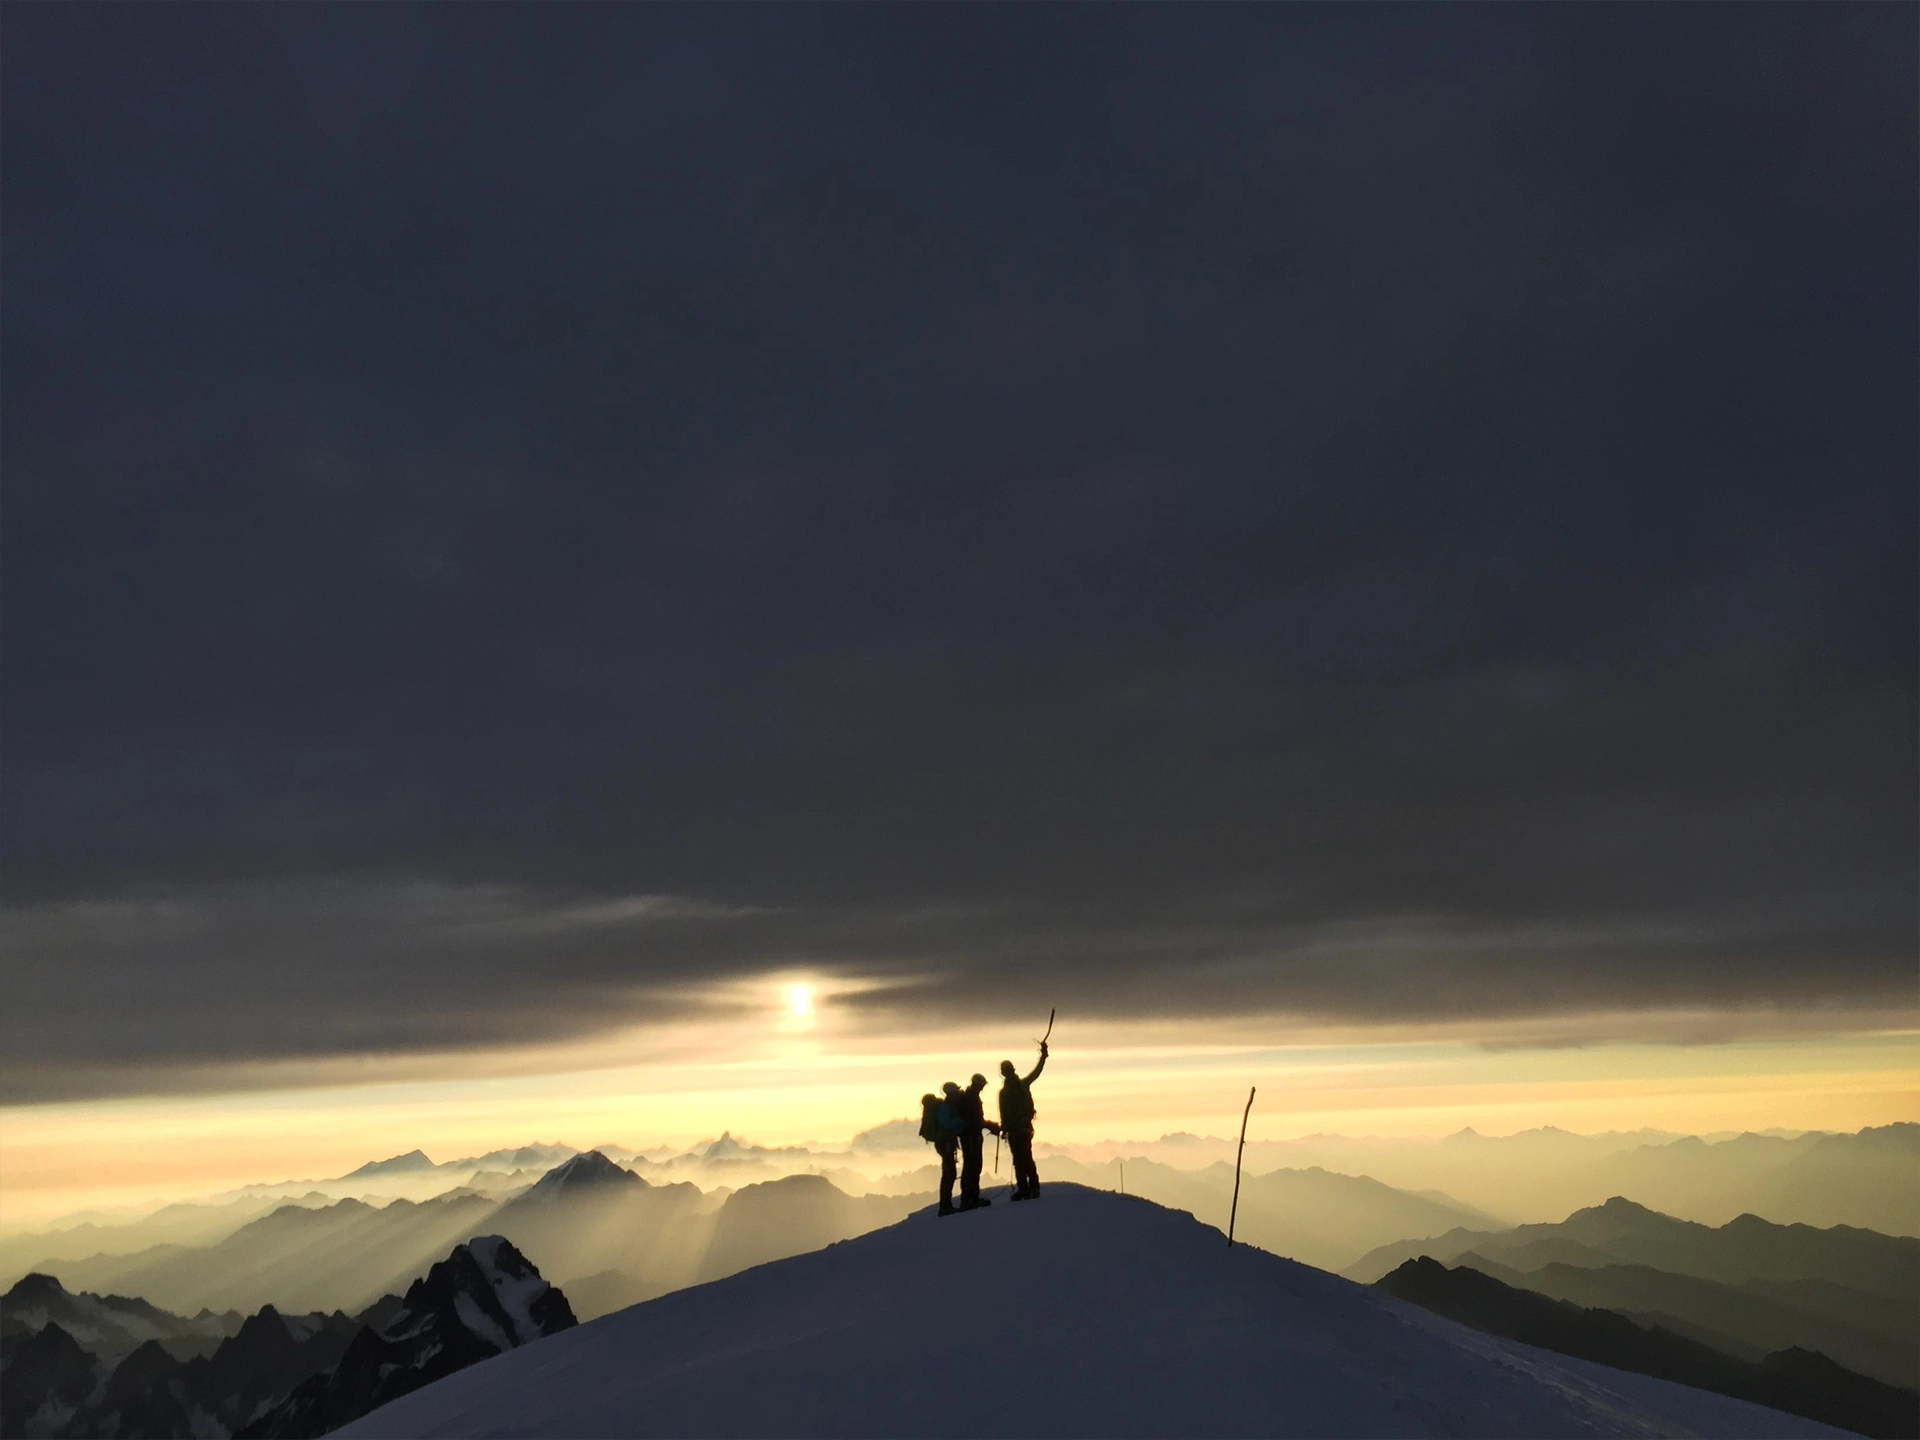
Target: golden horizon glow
814 1078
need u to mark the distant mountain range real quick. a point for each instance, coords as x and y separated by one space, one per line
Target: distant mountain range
342 1256
612 1238
1312 1215
586 1219
1870 1179
1796 1380
181 1224
1749 1287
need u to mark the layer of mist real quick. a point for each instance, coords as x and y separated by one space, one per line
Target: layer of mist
1323 1199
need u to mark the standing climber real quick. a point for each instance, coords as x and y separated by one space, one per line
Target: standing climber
1016 1123
941 1122
973 1120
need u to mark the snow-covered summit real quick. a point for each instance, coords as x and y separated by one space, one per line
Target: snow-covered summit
531 1306
1086 1313
484 1291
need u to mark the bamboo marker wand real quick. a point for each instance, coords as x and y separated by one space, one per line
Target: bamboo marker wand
1234 1213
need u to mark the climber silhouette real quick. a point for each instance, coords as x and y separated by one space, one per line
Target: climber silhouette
1016 1124
941 1122
973 1121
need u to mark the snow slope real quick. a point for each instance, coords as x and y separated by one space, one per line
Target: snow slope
1084 1314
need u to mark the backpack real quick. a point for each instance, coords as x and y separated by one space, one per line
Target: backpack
930 1119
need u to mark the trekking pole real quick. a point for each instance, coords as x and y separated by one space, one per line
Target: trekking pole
1235 1211
996 1154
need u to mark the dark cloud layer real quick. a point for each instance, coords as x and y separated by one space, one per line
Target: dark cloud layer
1357 512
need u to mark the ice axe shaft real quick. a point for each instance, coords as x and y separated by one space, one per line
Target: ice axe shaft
1049 1035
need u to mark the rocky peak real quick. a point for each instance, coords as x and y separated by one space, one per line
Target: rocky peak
588 1170
34 1289
483 1299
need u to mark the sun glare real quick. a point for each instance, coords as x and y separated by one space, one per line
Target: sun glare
800 1000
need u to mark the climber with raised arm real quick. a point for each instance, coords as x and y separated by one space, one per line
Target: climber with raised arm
1016 1124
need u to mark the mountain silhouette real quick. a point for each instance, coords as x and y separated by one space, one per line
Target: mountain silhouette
1865 1179
1877 1335
587 1219
153 1394
1798 1381
585 1171
337 1257
1749 1287
1746 1248
110 1326
399 1165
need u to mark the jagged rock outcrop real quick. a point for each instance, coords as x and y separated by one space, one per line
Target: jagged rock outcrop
153 1395
270 1356
105 1382
483 1299
276 1374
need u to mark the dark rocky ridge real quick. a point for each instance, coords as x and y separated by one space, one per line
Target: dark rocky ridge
1800 1382
112 1326
277 1374
431 1335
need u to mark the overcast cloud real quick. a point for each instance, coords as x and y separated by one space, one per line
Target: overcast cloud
1355 512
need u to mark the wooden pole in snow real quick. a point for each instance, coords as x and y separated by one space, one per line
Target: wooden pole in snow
1234 1213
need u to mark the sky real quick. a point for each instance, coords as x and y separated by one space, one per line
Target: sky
1379 534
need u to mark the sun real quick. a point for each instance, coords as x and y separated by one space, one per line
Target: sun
800 1001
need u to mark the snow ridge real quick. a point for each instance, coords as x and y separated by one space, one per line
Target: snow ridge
1085 1313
